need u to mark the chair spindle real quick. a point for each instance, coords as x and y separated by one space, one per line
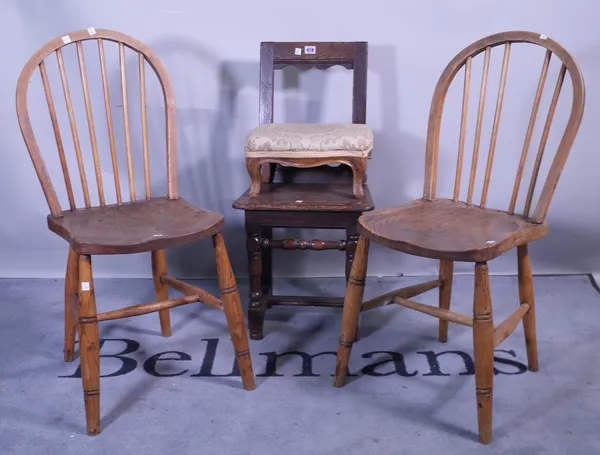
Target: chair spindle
544 139
142 61
532 119
90 120
65 85
494 138
484 77
463 128
126 122
109 122
57 135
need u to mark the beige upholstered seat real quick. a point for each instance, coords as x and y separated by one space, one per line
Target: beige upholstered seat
288 140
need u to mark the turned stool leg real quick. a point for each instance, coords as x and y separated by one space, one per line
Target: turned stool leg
445 292
88 346
256 309
526 296
483 341
352 305
71 310
233 312
159 269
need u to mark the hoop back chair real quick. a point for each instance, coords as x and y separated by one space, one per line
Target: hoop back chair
453 230
299 189
134 224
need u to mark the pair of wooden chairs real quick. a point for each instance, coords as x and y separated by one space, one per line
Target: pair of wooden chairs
445 229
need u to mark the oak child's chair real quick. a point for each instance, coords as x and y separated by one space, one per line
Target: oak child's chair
131 225
292 184
454 230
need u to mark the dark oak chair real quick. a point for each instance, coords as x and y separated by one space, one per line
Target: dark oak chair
293 185
451 230
140 224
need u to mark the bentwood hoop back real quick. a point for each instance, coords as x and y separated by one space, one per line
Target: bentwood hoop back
145 55
451 230
464 61
131 225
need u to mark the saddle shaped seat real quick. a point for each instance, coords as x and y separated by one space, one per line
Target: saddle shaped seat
135 227
449 230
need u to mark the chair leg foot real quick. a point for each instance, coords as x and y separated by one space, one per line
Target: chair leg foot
483 341
71 310
359 168
256 320
351 312
445 292
159 269
526 295
89 346
233 312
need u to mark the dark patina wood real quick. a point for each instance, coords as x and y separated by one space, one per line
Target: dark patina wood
138 225
450 230
321 197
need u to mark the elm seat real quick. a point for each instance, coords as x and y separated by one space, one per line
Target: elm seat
135 227
307 140
449 230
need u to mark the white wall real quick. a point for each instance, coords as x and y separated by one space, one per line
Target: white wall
211 50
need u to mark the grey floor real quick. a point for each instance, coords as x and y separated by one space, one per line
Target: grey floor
400 402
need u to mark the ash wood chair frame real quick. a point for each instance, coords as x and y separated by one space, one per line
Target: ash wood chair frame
450 230
147 224
321 197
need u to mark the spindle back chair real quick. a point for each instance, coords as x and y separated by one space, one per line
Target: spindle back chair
132 225
321 197
450 230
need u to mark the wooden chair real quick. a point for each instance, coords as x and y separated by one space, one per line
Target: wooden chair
451 230
316 196
146 224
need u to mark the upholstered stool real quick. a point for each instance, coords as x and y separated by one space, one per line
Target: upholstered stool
309 145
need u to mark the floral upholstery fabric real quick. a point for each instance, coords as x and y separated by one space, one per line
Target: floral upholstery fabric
309 140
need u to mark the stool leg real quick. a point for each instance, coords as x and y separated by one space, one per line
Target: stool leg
233 312
253 165
483 341
526 295
359 168
445 292
159 269
352 305
256 309
88 346
71 310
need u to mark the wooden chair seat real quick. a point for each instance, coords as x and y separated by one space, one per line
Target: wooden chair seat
445 229
135 227
305 197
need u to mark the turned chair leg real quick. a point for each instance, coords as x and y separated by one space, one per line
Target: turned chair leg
445 292
526 296
159 269
266 278
233 312
483 341
71 310
352 305
256 308
253 165
89 346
